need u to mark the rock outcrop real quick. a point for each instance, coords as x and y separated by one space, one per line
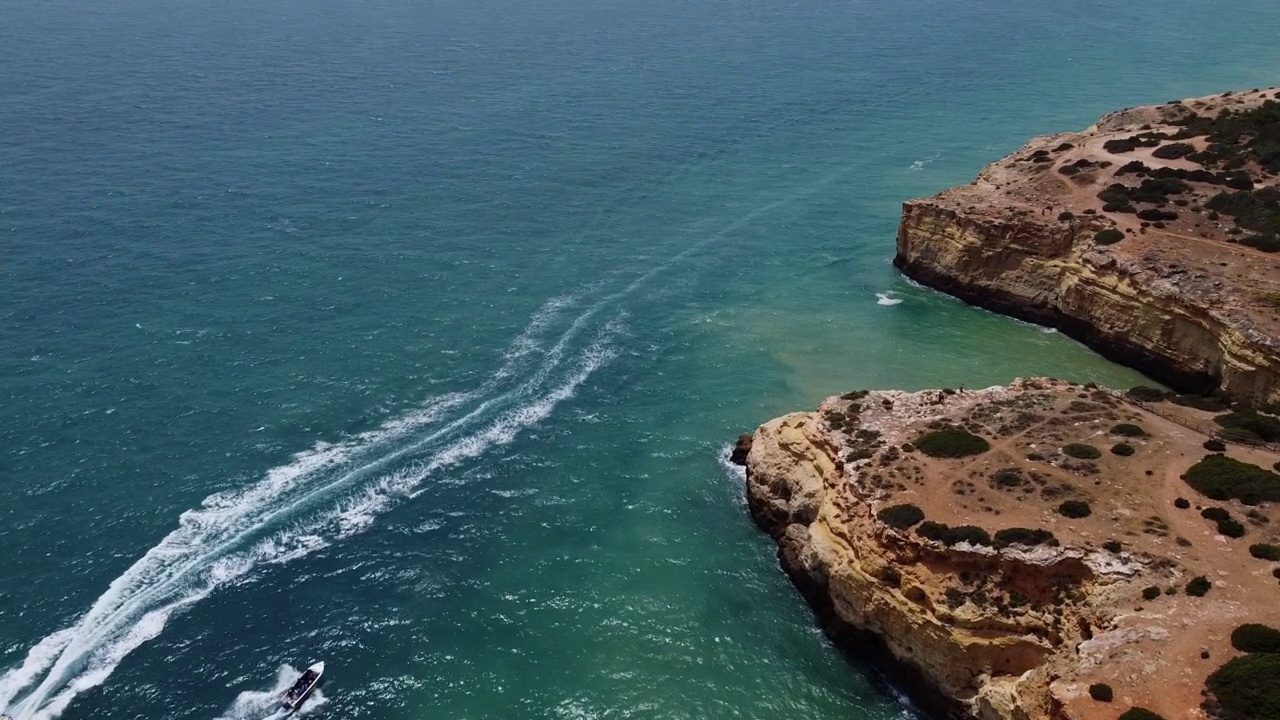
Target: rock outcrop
975 622
1185 298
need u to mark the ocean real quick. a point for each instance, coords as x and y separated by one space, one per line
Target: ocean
412 335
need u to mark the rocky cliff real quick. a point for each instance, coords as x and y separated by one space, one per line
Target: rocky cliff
999 552
1179 290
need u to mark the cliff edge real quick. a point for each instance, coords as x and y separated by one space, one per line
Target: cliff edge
1151 236
1023 551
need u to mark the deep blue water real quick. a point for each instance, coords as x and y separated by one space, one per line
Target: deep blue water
410 335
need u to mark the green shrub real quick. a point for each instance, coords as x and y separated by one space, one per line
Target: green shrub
1216 514
901 516
1265 551
1150 593
1246 687
1024 536
1128 430
951 442
1182 503
1255 638
1112 546
1074 509
1215 445
1008 477
1199 402
1101 692
1262 426
1122 449
1082 451
1173 151
1144 393
1222 478
1110 236
1198 586
1138 713
1227 525
1157 215
1276 467
940 532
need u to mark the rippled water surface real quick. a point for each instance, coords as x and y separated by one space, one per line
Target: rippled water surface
410 336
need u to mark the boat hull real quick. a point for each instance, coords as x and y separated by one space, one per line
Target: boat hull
302 687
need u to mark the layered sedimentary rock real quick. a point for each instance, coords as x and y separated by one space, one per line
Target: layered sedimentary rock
975 622
1184 299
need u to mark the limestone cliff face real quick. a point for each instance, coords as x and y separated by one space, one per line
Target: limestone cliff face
992 629
953 663
1178 301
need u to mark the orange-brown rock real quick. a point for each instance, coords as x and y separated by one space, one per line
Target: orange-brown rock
1182 300
981 626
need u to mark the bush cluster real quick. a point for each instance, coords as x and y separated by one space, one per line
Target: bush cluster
1007 477
939 532
1199 586
1157 215
1250 426
1082 451
1119 197
1110 236
1223 478
1122 449
1265 551
1128 430
1246 687
1101 692
1255 638
951 442
1024 536
1200 402
1256 210
1150 593
1112 546
1215 445
1144 393
1118 146
1234 179
901 516
1227 525
1173 151
1182 503
1237 138
1075 509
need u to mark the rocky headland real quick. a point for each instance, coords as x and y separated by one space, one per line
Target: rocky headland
1039 551
1151 236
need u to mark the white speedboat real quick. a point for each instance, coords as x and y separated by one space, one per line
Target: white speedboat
302 687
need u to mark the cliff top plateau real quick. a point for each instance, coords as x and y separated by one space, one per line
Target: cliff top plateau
1044 550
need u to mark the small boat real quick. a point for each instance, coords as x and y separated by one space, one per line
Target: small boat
302 687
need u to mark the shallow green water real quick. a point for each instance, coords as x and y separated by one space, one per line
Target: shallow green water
411 335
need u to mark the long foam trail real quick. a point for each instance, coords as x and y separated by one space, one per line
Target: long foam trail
216 544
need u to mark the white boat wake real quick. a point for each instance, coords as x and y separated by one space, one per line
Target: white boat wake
323 495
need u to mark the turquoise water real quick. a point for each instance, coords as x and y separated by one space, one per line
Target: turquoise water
410 336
